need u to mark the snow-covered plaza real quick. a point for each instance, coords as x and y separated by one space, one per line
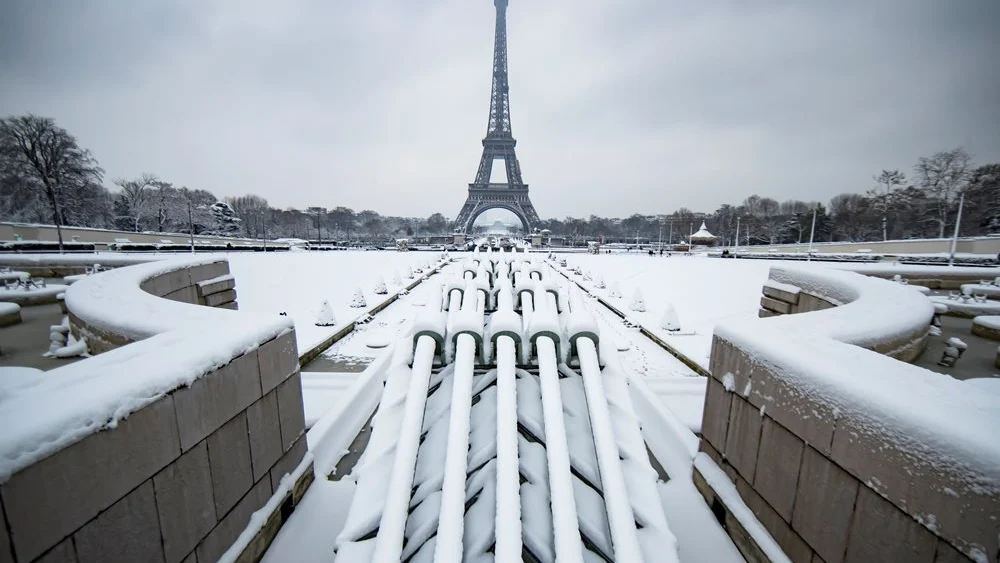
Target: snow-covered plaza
502 406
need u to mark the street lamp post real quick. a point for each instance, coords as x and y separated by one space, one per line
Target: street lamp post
736 242
954 237
812 233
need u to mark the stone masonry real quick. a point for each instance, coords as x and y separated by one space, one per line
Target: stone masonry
830 490
177 480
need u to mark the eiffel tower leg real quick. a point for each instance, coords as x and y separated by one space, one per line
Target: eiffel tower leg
464 221
531 215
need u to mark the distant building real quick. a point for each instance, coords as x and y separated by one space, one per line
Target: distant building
703 237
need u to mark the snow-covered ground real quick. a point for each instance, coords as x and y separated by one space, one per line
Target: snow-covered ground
703 291
296 283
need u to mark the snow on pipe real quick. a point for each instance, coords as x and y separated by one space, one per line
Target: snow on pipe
451 523
621 519
580 324
389 541
566 530
508 509
527 312
433 324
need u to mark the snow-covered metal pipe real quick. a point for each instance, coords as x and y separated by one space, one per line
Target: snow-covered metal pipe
508 511
566 530
451 524
389 542
621 519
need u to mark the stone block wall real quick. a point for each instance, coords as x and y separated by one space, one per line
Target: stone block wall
208 284
775 302
828 489
176 481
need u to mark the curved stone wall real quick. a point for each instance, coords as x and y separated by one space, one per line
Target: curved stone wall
844 453
161 447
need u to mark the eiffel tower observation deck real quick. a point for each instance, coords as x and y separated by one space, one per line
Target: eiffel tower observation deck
499 143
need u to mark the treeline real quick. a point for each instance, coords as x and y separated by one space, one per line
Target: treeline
46 177
895 206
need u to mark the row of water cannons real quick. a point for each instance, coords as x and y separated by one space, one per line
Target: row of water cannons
525 304
326 317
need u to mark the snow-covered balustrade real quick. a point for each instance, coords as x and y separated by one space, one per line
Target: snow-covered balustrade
471 462
890 319
162 447
842 451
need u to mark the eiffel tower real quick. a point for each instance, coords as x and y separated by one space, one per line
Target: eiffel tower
511 195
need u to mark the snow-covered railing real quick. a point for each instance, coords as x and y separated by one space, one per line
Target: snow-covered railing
204 405
828 440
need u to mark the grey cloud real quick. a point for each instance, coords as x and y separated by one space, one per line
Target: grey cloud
631 106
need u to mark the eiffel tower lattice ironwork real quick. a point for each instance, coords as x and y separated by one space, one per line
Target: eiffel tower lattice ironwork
499 142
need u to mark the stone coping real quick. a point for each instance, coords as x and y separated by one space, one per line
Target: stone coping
917 439
173 345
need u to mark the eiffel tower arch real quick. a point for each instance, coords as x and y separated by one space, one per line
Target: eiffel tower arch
499 143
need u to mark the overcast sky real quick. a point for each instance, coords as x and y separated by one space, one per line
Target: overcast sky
618 106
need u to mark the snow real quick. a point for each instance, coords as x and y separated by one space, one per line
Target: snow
297 283
14 275
259 518
8 308
358 299
31 294
699 537
670 322
114 259
620 516
452 520
937 423
991 291
564 519
508 510
991 384
300 539
389 543
322 391
786 287
988 321
74 401
726 490
969 308
325 316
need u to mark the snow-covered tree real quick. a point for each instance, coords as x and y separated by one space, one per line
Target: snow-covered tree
49 159
380 288
638 304
134 201
358 301
395 279
226 221
325 316
409 272
600 282
615 291
670 321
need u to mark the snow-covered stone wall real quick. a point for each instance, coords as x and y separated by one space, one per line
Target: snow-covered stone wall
163 447
844 453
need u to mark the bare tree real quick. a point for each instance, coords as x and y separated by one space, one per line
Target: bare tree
135 197
884 194
942 177
252 210
37 149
